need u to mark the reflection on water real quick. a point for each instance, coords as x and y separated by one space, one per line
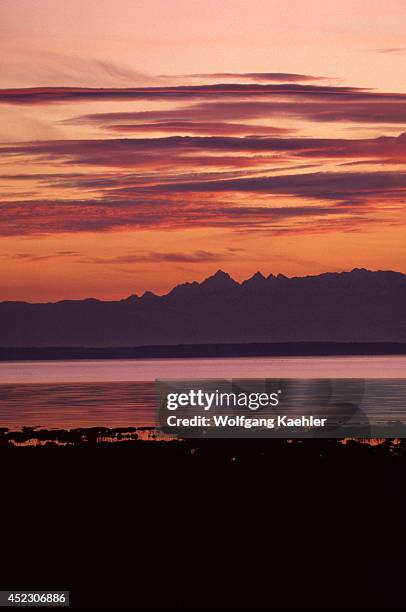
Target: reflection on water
114 393
77 404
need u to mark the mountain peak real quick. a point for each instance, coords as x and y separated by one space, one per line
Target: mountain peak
256 279
220 274
219 279
131 298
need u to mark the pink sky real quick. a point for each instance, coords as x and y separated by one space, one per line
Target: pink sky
338 39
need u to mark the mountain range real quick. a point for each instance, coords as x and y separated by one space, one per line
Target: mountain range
356 306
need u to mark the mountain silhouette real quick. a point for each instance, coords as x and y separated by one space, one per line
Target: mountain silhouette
356 306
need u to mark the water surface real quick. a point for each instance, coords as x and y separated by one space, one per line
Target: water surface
120 393
114 370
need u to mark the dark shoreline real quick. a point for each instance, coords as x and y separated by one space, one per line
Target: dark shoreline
132 437
196 351
209 525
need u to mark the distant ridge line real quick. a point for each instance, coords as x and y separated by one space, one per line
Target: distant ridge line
359 307
195 351
222 278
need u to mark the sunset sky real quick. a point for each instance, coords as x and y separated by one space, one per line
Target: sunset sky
148 143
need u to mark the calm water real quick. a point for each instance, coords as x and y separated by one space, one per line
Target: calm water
120 392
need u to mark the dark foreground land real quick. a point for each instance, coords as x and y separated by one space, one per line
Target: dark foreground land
207 525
